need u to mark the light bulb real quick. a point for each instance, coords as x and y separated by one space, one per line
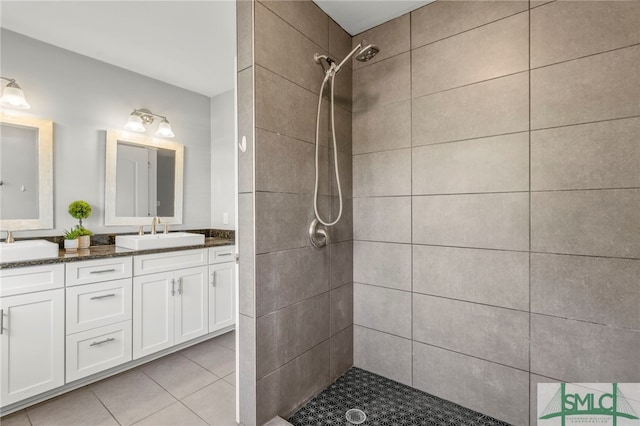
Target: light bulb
134 123
164 129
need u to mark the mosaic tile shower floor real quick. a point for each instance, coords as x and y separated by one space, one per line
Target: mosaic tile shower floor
386 403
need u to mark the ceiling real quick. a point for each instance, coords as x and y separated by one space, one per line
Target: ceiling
190 44
356 16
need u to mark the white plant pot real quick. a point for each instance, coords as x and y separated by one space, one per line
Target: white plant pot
84 242
71 245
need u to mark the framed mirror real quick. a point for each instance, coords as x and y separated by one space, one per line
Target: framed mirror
143 180
26 173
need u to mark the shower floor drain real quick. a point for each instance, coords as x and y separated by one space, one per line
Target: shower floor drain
355 416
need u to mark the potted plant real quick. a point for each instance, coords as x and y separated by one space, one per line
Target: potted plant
80 209
71 240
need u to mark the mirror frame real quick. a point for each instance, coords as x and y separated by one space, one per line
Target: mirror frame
45 174
113 136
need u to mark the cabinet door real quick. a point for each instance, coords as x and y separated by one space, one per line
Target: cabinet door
222 295
31 344
191 304
153 313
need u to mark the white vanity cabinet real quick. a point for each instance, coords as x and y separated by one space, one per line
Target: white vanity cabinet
98 315
32 335
170 300
222 287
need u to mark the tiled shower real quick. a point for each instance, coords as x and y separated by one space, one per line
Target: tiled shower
492 236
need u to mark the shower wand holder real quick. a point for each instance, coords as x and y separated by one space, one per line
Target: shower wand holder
318 234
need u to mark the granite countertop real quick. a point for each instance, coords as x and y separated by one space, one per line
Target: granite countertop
107 251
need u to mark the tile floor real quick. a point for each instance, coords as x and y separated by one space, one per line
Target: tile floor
195 386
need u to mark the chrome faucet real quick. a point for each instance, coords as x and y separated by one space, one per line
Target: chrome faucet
154 222
9 238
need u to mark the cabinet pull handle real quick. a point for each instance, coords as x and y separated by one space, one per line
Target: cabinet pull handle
103 296
103 271
173 287
1 321
213 279
110 339
224 254
180 285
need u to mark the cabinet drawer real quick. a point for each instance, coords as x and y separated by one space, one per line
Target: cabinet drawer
92 351
169 261
93 271
222 254
95 305
31 279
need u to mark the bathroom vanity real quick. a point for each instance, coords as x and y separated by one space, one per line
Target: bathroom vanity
69 322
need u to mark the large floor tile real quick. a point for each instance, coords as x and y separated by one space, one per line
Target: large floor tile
74 408
179 375
228 340
212 356
175 414
16 419
132 396
215 404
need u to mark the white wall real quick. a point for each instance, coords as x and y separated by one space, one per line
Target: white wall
84 97
223 147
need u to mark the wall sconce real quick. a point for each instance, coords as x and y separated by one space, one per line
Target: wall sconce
139 117
12 95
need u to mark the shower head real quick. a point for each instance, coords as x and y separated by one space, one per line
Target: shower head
367 52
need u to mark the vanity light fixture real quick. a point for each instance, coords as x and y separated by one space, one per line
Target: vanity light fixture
12 95
139 117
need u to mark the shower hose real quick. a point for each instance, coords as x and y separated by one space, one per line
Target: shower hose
331 73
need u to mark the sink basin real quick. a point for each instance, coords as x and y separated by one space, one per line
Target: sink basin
159 241
27 250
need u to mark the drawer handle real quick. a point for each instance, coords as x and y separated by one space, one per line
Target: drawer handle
224 254
173 287
213 279
103 296
103 271
180 285
110 339
1 321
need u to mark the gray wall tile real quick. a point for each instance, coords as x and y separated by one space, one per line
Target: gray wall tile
383 83
438 20
392 38
341 308
382 264
581 352
280 281
247 369
595 88
345 171
382 353
489 388
339 41
488 52
295 63
282 221
245 128
343 129
592 289
566 30
599 223
281 392
382 219
499 221
246 252
341 352
379 129
492 277
305 16
284 107
382 173
244 33
496 164
343 230
284 164
487 332
341 263
489 108
598 155
285 334
382 309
